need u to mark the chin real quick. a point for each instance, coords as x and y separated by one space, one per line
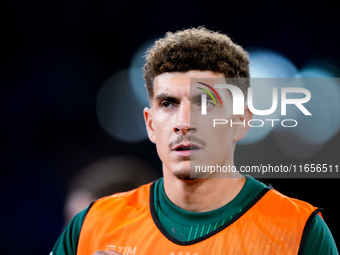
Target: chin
183 174
186 175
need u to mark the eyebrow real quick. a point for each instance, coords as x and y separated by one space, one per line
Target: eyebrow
167 96
196 97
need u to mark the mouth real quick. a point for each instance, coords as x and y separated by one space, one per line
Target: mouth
186 150
186 147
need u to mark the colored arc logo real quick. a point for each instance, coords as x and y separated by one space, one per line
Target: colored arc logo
212 89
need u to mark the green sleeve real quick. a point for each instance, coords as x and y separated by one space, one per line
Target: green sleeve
67 243
319 239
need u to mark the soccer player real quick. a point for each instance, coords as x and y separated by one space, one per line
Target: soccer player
178 214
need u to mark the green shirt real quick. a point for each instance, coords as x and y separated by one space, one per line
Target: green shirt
186 226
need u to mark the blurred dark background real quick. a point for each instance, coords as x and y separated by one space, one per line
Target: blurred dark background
55 58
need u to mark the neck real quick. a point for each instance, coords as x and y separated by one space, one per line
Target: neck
202 194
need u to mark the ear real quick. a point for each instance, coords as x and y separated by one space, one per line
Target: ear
241 130
149 124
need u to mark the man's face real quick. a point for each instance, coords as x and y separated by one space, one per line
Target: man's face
183 137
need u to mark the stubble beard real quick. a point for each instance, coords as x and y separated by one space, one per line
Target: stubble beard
183 174
186 174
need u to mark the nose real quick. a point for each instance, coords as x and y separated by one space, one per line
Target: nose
183 124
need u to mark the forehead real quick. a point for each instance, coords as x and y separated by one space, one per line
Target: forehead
175 81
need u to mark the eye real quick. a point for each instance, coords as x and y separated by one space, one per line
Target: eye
210 103
166 104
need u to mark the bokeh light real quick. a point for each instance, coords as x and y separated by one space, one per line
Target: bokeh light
325 88
266 64
308 137
118 110
136 73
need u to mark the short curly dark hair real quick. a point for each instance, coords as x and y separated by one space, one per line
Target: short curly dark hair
196 49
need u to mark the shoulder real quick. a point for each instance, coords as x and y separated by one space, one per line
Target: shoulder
284 214
120 205
68 241
319 239
276 202
137 195
123 203
316 237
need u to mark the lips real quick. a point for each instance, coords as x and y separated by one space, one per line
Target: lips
186 150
